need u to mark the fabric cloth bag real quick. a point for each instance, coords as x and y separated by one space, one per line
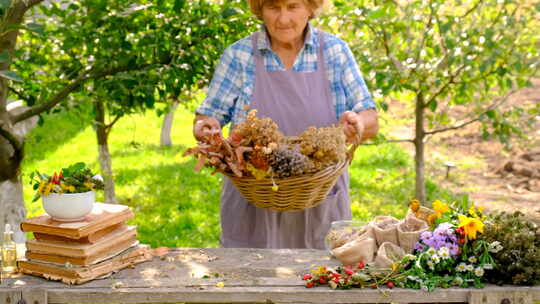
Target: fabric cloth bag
343 232
385 229
361 249
388 254
409 231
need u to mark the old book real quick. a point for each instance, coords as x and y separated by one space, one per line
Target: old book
79 275
123 236
89 239
101 217
81 261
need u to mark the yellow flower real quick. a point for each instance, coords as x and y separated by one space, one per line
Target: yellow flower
414 205
71 188
471 226
440 207
258 174
472 212
89 186
481 208
321 270
41 186
220 284
48 189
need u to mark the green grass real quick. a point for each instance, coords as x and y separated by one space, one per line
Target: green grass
177 207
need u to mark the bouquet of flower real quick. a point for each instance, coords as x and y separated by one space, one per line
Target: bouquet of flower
76 178
451 254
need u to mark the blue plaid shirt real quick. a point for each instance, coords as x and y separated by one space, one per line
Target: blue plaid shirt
232 85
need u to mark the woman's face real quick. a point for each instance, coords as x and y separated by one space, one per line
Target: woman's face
286 19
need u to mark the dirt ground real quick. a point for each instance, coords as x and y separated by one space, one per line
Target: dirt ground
495 176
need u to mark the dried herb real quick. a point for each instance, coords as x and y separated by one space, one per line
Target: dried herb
519 260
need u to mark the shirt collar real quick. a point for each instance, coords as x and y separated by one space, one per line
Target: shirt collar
310 41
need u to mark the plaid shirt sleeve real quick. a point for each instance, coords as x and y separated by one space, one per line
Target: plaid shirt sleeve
224 88
357 95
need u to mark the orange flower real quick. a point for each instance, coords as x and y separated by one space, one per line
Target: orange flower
414 205
431 218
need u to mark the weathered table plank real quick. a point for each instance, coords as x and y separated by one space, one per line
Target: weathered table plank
248 275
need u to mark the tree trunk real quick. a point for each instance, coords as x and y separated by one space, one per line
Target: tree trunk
12 209
419 149
104 155
167 125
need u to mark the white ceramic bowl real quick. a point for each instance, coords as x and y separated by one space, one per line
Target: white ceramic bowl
68 207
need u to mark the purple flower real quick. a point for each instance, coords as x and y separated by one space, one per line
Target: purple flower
454 249
419 247
425 235
430 242
443 229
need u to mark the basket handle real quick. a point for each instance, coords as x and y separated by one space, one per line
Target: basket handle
359 133
350 152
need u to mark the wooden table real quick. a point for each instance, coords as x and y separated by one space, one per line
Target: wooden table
248 275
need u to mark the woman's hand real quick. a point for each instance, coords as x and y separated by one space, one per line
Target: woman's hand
204 127
353 127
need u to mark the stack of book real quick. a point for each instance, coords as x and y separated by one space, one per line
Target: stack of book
77 252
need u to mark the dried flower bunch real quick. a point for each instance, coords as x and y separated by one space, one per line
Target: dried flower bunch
519 259
257 148
326 146
359 276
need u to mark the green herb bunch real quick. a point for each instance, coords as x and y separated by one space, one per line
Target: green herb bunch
519 260
76 178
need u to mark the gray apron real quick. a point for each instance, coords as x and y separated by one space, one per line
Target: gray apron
295 101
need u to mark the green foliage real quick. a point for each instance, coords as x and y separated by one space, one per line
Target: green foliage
519 260
445 55
451 52
152 50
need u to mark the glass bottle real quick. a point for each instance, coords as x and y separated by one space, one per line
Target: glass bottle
9 251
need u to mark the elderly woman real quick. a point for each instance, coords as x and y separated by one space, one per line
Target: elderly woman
300 77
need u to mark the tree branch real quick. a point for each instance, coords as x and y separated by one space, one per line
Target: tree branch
20 95
42 107
108 127
428 27
384 39
39 108
468 12
493 106
11 138
446 85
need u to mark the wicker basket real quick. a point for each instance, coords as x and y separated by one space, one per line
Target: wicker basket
295 193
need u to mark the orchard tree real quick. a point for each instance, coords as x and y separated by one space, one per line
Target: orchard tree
121 56
440 54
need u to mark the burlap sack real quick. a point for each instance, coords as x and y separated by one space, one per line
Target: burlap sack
409 231
422 213
339 235
355 251
385 229
388 254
